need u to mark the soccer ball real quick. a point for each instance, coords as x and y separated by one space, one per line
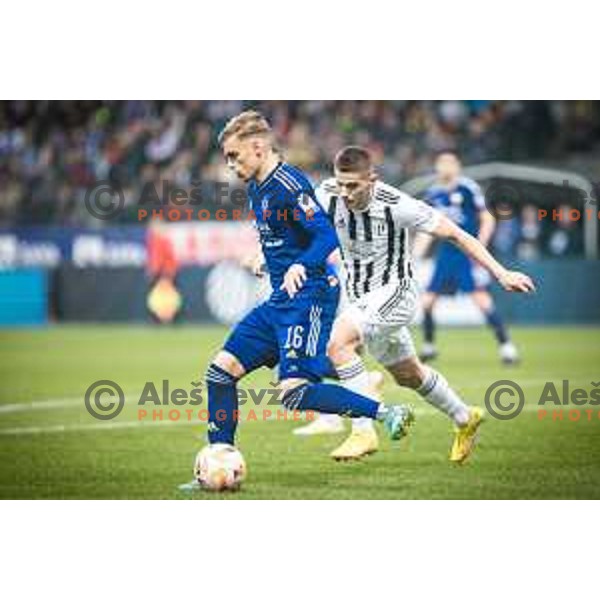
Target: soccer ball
220 467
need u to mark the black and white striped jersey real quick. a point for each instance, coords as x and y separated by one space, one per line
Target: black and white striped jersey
375 242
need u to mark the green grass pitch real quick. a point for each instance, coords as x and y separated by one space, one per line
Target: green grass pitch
50 447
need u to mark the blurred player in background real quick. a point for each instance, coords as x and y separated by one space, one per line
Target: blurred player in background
293 326
462 201
374 222
164 300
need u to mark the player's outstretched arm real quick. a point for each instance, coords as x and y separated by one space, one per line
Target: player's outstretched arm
511 281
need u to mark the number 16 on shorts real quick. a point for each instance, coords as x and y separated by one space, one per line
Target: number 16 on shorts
294 337
305 339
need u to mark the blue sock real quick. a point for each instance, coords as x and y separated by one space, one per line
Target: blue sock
330 398
496 323
428 326
222 406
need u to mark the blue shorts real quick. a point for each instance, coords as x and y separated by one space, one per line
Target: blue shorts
293 334
450 278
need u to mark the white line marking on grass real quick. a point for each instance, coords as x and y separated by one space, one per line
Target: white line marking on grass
50 404
47 404
60 403
105 426
61 428
471 384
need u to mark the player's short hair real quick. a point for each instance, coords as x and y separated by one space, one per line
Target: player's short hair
246 124
352 159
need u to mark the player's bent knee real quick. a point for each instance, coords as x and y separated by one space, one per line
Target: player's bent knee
340 352
229 363
344 340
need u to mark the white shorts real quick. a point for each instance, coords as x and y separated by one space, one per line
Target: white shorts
383 318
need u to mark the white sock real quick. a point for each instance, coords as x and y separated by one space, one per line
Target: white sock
354 376
437 392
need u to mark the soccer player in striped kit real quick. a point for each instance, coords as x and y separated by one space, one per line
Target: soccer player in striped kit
375 223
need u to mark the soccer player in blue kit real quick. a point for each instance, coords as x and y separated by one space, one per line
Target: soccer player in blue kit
292 327
462 201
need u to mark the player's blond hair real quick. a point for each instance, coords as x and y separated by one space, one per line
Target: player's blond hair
246 124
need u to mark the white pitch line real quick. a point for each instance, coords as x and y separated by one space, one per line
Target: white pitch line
61 428
50 404
47 404
106 425
72 401
110 426
59 403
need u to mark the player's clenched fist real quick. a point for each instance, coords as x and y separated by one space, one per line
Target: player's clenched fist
514 281
294 279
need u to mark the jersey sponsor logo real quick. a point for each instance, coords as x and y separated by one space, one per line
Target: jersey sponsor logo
272 243
307 204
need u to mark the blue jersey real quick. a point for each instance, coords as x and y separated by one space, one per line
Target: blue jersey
453 270
291 332
292 226
462 204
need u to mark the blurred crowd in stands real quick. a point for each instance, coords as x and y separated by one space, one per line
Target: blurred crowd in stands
52 151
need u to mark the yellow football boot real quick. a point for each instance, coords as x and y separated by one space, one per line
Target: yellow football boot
362 441
358 444
466 436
